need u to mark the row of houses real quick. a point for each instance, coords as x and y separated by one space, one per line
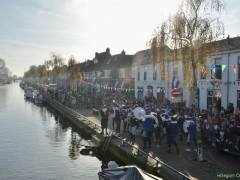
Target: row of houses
134 75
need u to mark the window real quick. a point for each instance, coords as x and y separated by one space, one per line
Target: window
155 74
238 67
203 74
138 73
145 73
218 68
214 97
106 73
133 72
129 72
238 99
95 60
122 73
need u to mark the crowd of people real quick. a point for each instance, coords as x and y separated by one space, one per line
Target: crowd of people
164 122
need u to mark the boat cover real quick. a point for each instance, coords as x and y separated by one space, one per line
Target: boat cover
126 173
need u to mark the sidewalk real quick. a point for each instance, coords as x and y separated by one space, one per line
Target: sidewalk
216 162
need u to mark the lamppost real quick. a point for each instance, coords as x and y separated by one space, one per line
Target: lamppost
213 82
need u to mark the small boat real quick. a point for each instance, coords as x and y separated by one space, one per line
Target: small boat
114 172
22 84
30 93
38 99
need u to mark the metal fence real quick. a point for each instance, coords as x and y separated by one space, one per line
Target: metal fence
67 109
230 143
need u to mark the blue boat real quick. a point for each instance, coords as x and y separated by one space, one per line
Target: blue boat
39 99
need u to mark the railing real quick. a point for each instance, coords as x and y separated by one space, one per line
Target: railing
74 112
178 173
231 144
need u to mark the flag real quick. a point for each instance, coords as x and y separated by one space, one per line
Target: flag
93 81
122 84
213 67
224 68
116 84
175 83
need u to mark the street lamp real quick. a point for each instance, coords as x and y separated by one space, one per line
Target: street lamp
213 82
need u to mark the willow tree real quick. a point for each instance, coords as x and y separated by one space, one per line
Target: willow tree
57 63
192 35
48 64
33 72
42 73
74 71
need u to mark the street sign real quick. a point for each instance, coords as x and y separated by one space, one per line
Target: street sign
176 100
176 93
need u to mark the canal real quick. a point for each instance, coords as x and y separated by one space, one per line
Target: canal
36 143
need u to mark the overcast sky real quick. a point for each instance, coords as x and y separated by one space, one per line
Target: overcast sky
30 29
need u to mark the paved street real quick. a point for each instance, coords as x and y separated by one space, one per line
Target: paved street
216 162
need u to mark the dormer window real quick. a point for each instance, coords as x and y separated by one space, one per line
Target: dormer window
122 73
95 61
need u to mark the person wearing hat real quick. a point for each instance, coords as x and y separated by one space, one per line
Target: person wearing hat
181 120
113 115
172 131
133 126
123 115
118 120
192 130
148 130
165 121
104 119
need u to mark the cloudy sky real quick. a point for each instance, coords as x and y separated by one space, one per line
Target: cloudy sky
30 29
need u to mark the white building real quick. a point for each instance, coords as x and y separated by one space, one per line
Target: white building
226 76
226 90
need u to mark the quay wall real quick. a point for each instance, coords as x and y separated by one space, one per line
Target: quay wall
125 153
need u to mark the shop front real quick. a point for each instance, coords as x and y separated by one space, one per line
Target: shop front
160 94
214 98
149 92
140 93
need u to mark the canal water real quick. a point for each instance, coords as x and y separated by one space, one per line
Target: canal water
35 143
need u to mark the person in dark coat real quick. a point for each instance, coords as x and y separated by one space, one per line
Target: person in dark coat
104 119
172 131
118 120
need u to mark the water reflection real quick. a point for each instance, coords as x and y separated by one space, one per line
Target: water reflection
74 147
38 143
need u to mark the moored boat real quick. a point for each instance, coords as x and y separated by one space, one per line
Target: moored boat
39 99
124 173
30 93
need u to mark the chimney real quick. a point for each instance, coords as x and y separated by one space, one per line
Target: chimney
123 52
96 54
228 39
108 50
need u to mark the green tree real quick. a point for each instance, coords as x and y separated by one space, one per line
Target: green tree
191 34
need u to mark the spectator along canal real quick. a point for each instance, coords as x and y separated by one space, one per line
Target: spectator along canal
37 143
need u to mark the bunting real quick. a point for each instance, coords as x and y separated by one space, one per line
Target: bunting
224 68
213 67
234 68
